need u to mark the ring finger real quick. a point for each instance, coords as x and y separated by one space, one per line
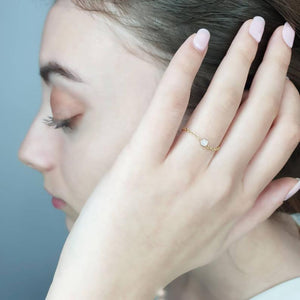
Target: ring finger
218 107
257 114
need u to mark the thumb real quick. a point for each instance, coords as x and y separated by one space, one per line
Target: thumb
267 202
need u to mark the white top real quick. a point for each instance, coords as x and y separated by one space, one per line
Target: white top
296 217
289 290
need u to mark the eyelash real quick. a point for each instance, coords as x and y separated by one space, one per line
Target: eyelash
64 124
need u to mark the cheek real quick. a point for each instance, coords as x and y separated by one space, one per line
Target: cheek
87 159
88 155
82 169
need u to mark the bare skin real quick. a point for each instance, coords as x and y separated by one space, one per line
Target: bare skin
84 164
265 257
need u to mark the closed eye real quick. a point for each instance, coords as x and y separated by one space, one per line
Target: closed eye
50 121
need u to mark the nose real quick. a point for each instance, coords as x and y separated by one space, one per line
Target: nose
38 148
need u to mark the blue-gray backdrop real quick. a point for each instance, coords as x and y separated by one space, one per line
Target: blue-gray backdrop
32 232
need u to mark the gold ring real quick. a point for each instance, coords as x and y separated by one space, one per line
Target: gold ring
203 142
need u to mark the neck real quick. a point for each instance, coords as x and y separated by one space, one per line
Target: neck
265 257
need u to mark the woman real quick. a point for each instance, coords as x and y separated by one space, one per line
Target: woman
147 206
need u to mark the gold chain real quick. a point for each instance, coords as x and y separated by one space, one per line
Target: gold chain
199 139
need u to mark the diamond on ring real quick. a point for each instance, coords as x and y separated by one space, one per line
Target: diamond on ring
204 142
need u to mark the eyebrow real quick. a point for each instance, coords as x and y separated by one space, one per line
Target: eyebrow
53 67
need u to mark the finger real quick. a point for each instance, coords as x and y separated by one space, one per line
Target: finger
268 201
218 107
158 127
245 96
279 144
256 115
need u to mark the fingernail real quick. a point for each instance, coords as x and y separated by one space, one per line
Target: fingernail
288 34
257 27
201 39
293 191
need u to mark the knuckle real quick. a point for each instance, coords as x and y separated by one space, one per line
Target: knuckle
245 54
281 60
292 90
242 203
224 186
178 105
183 65
292 133
179 94
248 203
183 181
229 100
283 64
271 110
241 207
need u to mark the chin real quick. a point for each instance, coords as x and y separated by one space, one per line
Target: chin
69 223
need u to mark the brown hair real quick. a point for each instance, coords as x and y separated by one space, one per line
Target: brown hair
163 25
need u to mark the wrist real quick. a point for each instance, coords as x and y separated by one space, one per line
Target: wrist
137 291
102 273
102 288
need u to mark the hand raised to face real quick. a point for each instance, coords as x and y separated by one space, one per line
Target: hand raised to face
169 205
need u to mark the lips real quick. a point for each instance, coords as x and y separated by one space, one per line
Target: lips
58 203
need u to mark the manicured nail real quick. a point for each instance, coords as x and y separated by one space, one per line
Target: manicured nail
288 34
293 191
201 39
257 28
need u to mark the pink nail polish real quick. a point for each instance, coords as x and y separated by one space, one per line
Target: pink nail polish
288 34
201 39
293 191
257 28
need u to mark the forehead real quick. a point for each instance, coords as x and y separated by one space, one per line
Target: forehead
65 29
76 38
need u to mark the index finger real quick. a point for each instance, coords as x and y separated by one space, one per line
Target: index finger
160 123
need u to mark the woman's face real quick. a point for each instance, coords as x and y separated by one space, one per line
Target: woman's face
105 105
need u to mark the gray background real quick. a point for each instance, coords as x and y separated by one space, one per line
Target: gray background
32 232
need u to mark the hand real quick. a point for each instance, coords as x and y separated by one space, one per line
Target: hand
168 205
